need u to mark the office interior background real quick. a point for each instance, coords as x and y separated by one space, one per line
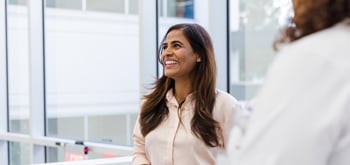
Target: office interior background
73 71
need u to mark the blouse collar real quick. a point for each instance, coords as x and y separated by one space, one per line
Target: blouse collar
171 98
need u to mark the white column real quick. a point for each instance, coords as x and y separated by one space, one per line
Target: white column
3 83
36 74
217 26
148 43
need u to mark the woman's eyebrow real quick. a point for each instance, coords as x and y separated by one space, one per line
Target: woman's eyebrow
176 42
172 42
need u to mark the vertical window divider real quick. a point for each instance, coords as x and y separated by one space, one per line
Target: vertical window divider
36 78
228 78
4 113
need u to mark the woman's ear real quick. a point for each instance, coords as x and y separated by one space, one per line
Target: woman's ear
198 58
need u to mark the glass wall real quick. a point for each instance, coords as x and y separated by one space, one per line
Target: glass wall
17 2
177 8
133 6
110 6
116 6
18 66
16 153
92 72
253 25
65 4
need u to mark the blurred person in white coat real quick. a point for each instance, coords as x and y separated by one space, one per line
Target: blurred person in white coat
301 115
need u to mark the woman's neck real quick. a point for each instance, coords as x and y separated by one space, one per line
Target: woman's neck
182 90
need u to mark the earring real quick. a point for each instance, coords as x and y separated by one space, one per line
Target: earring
198 59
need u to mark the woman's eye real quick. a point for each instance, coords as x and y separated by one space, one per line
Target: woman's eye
177 45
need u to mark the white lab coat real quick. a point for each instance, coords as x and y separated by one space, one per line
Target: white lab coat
301 116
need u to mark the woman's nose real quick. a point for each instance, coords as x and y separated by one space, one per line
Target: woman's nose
167 52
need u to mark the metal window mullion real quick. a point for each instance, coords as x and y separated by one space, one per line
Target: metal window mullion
4 147
218 28
36 76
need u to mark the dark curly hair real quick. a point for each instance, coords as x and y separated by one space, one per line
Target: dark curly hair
311 16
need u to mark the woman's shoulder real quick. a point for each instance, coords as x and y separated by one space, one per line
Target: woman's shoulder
226 105
223 94
224 97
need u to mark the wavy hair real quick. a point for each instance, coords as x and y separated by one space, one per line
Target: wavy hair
154 110
311 16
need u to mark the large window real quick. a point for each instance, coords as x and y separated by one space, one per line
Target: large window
110 6
253 25
117 6
133 7
177 8
92 74
18 67
17 2
16 153
65 4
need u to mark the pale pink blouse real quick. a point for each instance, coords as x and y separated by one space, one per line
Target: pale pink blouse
173 143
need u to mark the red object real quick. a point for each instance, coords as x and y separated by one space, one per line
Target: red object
109 155
86 150
74 157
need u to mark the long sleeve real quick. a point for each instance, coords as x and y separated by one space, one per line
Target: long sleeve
225 113
139 153
229 121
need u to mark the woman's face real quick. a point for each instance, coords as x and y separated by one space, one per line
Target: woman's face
177 56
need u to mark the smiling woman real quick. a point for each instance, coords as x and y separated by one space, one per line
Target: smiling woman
178 57
185 116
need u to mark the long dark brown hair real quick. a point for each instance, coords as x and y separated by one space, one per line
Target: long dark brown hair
311 16
154 110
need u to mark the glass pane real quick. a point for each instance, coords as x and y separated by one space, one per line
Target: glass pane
55 154
133 7
63 154
18 60
253 25
116 6
19 153
171 8
160 7
64 4
18 2
92 77
180 8
111 125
